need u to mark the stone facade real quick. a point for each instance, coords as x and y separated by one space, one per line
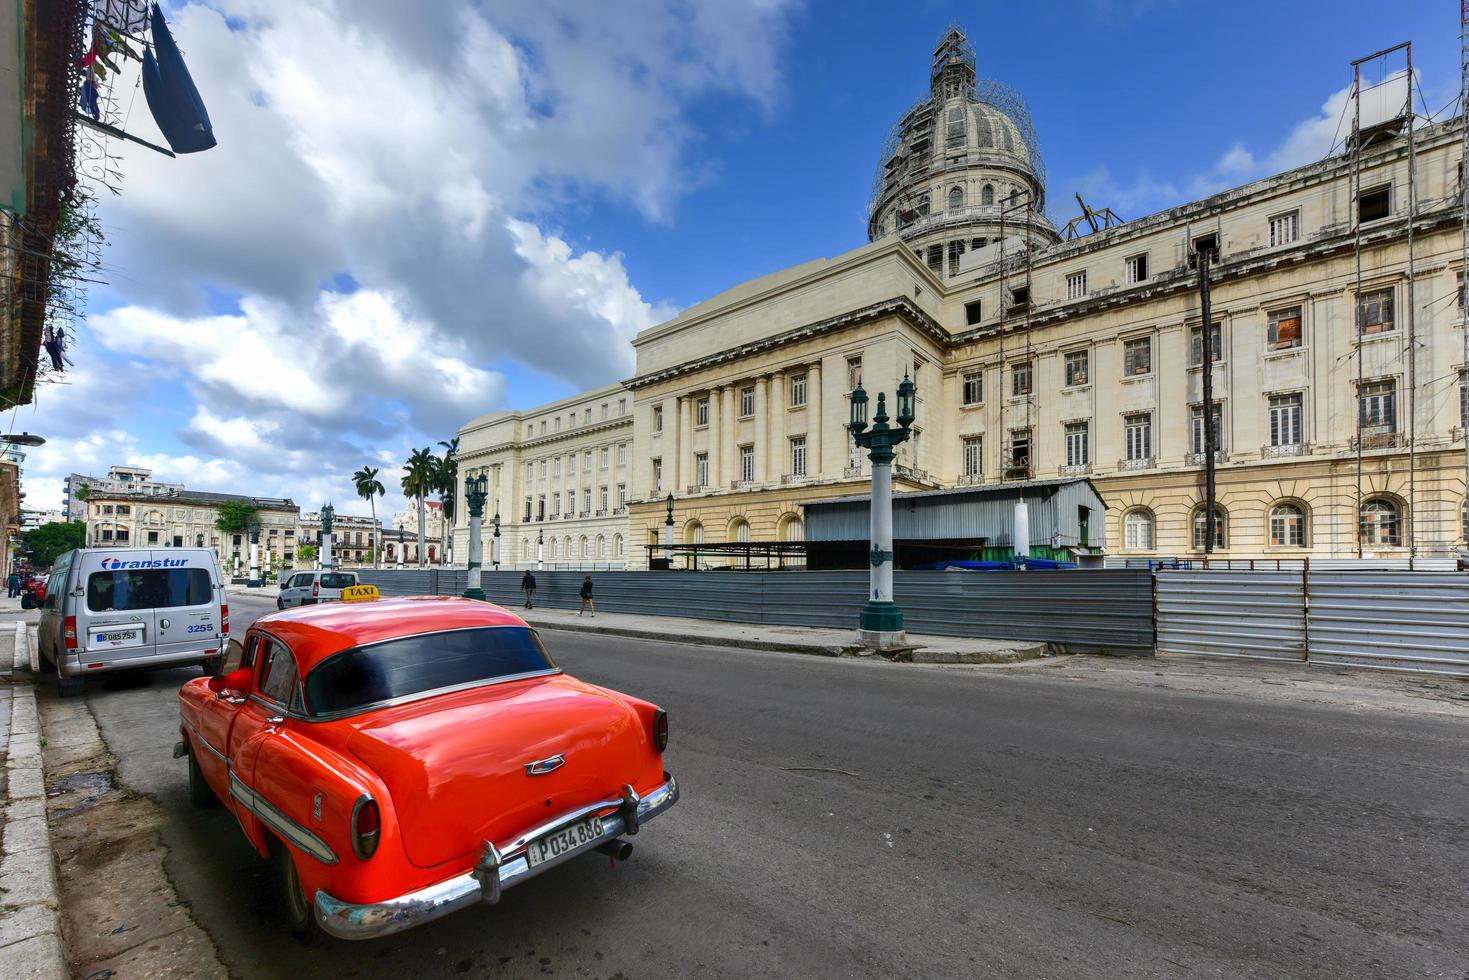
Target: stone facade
353 538
185 519
559 477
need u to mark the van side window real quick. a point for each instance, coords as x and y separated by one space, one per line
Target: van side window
278 673
338 580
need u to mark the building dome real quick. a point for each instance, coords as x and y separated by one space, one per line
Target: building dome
960 167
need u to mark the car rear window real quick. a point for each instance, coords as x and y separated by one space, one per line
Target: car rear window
337 581
157 588
411 665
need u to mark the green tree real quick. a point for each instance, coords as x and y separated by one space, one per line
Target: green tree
43 544
419 480
307 553
234 517
369 488
83 492
448 473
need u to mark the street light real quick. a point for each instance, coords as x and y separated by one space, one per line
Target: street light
881 622
495 544
540 551
476 489
324 556
401 546
253 582
668 533
23 439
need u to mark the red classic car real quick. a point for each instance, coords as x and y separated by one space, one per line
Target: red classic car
402 759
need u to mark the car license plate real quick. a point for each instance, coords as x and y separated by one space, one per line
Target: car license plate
117 636
564 841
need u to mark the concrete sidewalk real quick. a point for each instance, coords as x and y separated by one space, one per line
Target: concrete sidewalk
786 639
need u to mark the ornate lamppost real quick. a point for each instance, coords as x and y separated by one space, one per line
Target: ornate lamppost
540 551
401 547
495 544
668 533
254 580
476 489
324 558
881 623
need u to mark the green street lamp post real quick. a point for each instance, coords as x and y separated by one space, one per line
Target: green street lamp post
253 582
324 553
401 547
495 544
881 622
668 534
476 489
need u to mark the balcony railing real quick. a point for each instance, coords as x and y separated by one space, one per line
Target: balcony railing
1076 469
1197 459
1291 449
793 478
911 472
971 479
1141 463
852 472
697 488
1378 440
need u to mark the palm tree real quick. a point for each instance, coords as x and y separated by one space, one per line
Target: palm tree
448 484
418 480
369 489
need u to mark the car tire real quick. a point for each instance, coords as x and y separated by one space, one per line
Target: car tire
280 603
210 666
295 907
201 795
66 687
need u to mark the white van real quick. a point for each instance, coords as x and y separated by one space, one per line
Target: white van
120 608
309 588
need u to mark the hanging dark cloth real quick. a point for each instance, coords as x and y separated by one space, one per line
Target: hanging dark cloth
171 95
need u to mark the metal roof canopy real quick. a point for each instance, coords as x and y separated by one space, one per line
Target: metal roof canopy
967 513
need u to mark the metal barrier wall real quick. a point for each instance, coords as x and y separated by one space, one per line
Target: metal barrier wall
1083 610
1394 620
1226 613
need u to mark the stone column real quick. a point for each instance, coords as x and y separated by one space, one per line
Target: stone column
683 465
672 447
776 426
729 432
716 427
762 427
814 413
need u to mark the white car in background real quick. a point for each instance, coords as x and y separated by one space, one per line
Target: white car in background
309 588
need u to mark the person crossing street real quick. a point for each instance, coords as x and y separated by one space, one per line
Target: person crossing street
528 585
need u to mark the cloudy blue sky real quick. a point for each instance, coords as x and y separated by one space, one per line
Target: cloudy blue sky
418 213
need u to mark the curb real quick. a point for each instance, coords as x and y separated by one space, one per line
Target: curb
30 926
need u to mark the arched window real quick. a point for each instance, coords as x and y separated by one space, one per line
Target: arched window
792 529
1287 526
1014 195
1137 530
584 552
739 530
956 198
1381 523
601 546
566 549
987 194
525 550
1221 529
616 546
554 550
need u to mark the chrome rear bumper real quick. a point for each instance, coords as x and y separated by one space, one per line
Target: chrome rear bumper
496 871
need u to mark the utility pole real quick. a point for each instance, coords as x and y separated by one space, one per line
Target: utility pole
1205 256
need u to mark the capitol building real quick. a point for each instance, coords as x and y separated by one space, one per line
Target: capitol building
1336 348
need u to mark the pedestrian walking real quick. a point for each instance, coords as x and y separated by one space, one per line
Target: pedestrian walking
586 598
12 586
528 585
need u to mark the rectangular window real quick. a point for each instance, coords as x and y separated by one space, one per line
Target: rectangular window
701 411
1374 203
798 456
973 457
621 496
747 463
973 312
854 373
1205 243
602 458
747 402
1137 432
602 498
657 476
571 465
622 454
152 537
1136 268
701 469
974 388
586 417
1076 285
1077 362
1377 407
527 513
1197 421
556 466
622 406
556 424
125 509
1020 380
1285 228
798 391
1020 449
555 505
542 467
1375 312
586 501
1077 448
586 460
657 418
604 410
1196 345
1285 329
1020 295
148 589
106 534
1137 357
530 472
541 507
1285 420
543 426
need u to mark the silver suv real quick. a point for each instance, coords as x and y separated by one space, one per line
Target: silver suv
309 588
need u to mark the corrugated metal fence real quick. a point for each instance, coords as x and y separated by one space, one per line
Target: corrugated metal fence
1095 610
1395 620
1232 614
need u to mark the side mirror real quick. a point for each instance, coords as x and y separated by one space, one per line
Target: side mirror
237 680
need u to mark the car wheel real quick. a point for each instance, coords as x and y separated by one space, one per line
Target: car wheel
200 793
280 603
294 904
211 666
66 686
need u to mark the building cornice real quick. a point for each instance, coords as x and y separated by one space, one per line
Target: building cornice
617 422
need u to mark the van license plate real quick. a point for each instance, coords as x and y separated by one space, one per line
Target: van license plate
120 636
564 841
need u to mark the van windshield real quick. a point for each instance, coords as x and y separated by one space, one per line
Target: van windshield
154 588
362 676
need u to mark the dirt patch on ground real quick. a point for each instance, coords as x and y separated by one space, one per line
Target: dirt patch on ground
120 914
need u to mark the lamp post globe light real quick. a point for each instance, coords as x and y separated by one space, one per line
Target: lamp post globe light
253 582
495 544
476 489
881 623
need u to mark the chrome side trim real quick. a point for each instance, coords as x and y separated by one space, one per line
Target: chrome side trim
199 736
490 877
280 823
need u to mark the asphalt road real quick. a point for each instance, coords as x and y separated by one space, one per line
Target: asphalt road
847 819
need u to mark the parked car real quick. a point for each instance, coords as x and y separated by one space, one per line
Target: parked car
122 608
309 588
402 759
33 592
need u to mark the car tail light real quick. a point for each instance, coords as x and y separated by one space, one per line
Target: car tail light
224 619
367 825
69 632
660 729
315 589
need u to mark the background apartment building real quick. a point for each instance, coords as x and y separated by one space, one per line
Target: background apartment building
186 519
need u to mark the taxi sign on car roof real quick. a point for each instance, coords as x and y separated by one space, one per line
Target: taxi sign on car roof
360 593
